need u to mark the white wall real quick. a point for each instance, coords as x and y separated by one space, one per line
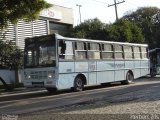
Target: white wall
8 76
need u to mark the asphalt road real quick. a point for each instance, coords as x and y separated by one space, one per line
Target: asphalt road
40 101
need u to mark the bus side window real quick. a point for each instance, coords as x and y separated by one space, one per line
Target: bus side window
137 54
144 52
107 51
69 55
61 49
80 51
128 52
118 51
94 51
66 50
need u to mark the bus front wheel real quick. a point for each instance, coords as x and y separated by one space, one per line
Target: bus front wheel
78 84
129 78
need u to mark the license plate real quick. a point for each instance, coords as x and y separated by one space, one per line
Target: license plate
38 84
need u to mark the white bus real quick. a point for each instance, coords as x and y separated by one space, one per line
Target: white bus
56 62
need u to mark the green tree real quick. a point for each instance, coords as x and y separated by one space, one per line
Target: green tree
125 31
13 10
10 56
148 19
122 30
10 12
91 29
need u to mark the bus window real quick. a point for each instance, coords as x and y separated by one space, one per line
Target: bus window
128 53
118 52
80 51
137 54
46 55
107 51
61 49
65 50
144 52
93 51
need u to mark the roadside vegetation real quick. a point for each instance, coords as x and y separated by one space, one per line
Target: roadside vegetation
140 26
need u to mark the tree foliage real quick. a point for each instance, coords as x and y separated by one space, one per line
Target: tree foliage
122 30
148 19
13 10
125 31
91 29
10 56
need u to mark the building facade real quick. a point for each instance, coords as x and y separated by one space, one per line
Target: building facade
56 19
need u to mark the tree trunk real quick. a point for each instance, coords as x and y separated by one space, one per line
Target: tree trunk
16 76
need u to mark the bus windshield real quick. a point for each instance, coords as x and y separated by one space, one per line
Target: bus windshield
40 54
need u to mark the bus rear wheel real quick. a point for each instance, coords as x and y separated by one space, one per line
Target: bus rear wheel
152 73
78 84
129 78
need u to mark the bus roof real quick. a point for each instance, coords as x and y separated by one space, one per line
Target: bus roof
59 37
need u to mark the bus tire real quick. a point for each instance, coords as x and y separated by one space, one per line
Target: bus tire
129 78
51 90
152 73
78 84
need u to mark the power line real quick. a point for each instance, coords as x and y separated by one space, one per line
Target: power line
115 4
99 1
133 4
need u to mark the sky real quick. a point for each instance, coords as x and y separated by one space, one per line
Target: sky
99 8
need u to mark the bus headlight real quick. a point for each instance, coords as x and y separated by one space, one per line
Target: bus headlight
51 74
29 77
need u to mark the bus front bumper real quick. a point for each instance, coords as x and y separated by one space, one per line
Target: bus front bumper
45 83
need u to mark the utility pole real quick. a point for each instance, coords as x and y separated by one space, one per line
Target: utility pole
115 4
79 11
